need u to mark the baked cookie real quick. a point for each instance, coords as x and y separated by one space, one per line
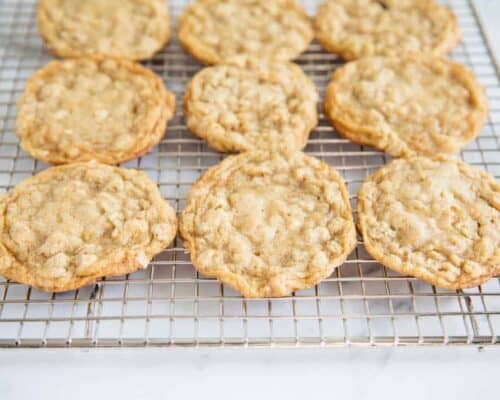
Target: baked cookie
248 104
70 225
435 219
267 224
98 109
214 31
360 28
415 104
130 29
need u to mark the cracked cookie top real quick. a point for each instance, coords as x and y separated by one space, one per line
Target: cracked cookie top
129 29
213 31
248 104
360 28
435 219
98 109
69 225
268 224
409 105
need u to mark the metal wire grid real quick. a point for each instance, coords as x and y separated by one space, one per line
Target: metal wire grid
170 304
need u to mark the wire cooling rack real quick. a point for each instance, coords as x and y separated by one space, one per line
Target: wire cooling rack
169 304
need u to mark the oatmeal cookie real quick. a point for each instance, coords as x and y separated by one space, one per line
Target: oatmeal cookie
248 104
415 104
213 31
129 29
98 109
70 225
267 224
435 219
360 28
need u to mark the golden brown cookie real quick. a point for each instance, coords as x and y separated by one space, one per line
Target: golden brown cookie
248 104
130 29
360 28
435 219
408 105
70 225
98 109
267 224
214 31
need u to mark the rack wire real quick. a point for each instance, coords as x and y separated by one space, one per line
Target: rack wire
170 304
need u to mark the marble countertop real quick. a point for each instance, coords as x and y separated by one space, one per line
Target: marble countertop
343 373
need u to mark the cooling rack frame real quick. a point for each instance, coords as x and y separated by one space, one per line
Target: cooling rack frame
169 304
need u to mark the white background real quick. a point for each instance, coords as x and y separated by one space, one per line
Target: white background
356 373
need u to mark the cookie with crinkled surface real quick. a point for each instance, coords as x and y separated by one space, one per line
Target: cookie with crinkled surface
214 31
435 219
408 105
99 109
70 225
248 104
268 224
359 28
129 29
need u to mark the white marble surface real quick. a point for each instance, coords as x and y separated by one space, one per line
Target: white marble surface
402 373
353 373
489 12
